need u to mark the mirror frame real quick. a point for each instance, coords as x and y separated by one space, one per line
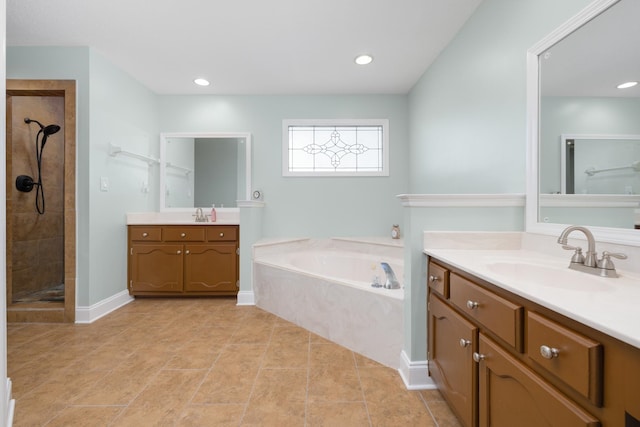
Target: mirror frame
163 168
606 234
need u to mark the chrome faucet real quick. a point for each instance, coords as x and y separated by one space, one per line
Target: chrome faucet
200 217
391 282
589 262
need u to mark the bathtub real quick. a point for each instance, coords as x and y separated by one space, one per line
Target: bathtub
325 286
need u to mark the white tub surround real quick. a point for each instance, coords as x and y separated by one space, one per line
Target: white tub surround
325 286
536 267
225 216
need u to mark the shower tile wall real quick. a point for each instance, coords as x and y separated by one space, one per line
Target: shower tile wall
35 242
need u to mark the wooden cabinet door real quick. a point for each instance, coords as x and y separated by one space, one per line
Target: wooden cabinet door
452 341
510 394
211 268
156 268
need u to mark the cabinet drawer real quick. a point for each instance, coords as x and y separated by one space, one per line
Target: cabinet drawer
500 316
183 234
145 234
438 279
221 233
572 357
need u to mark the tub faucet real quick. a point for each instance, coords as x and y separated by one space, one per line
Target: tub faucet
391 282
589 262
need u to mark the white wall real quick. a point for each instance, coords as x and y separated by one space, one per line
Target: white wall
6 404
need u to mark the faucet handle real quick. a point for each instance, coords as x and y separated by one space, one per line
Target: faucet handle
577 257
606 264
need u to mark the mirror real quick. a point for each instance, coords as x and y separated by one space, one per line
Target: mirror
572 78
201 169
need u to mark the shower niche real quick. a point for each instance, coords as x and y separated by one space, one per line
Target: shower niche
40 168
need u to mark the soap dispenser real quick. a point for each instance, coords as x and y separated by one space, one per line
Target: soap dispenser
213 213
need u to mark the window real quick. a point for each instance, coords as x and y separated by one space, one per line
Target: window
335 148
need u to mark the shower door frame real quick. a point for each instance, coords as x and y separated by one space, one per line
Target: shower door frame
48 312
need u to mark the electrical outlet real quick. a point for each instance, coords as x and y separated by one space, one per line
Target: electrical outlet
104 183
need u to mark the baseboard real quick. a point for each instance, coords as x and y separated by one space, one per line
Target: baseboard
415 374
246 298
92 313
10 405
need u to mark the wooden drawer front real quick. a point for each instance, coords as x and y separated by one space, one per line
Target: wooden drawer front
574 358
145 234
500 316
510 394
222 233
438 279
184 234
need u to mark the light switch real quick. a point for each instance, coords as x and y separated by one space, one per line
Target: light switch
104 183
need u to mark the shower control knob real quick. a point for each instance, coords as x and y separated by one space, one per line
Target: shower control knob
472 304
464 343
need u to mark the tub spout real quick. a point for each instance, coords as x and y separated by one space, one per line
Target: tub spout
391 282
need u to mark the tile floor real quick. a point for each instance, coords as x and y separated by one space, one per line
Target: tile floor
203 362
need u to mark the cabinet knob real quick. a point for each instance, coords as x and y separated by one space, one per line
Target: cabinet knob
472 304
183 234
145 234
433 278
478 357
221 234
549 352
464 343
178 251
187 252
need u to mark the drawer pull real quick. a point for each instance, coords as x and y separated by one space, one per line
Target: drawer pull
178 252
183 234
433 279
472 304
464 343
145 234
221 234
478 357
549 352
187 252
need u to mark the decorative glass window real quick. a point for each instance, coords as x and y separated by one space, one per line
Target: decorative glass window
335 148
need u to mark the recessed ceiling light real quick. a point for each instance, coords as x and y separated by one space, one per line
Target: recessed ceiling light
201 82
627 85
364 59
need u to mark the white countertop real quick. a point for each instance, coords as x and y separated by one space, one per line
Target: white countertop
224 217
609 305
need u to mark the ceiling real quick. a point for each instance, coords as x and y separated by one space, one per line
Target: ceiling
251 46
597 57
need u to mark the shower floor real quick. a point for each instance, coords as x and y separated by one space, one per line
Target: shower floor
53 294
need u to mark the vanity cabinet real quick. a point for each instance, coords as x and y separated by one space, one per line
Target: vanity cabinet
183 260
502 360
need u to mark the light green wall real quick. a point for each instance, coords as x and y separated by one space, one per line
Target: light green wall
582 115
111 107
468 131
313 207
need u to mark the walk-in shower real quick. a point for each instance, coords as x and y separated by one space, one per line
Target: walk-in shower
25 183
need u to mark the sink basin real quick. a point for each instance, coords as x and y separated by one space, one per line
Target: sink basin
550 276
